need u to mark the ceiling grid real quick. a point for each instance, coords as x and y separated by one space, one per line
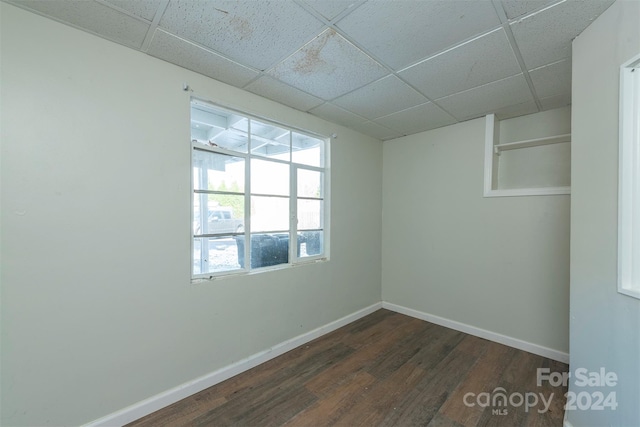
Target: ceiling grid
383 68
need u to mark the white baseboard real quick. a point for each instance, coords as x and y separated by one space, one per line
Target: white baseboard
482 333
175 394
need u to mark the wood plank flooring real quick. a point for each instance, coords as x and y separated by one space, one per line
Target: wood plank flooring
385 369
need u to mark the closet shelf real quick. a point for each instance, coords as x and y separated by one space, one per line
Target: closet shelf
531 143
545 178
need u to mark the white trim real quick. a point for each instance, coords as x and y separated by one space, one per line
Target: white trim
159 401
482 333
491 132
492 150
628 179
196 145
566 422
536 142
542 191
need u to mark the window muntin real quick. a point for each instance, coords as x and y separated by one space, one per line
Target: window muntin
262 189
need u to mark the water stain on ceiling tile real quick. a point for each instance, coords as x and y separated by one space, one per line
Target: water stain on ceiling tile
328 66
311 61
253 33
379 60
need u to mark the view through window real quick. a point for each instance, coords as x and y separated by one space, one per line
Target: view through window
259 193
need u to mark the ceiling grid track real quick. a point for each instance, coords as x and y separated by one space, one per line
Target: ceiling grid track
383 68
516 50
391 71
154 25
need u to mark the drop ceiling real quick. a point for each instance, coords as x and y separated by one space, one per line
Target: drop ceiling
386 68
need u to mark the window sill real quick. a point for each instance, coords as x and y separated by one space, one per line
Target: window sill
242 273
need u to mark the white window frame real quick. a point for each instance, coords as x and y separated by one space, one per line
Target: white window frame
294 260
629 180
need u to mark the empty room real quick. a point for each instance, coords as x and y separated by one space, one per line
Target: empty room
320 212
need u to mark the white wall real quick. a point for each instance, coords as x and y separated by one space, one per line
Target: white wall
498 264
97 308
605 325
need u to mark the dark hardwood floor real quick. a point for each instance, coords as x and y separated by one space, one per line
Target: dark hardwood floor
385 369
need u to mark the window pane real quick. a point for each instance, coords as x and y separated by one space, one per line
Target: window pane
215 127
269 213
310 183
270 141
269 177
268 249
310 243
224 213
228 147
309 214
218 172
213 255
307 150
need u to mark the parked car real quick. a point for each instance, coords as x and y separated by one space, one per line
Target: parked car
219 221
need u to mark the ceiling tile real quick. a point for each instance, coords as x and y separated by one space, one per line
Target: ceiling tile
417 119
553 79
518 110
145 9
400 33
545 37
377 131
93 17
516 8
453 58
253 33
328 67
487 99
330 8
380 98
478 62
180 52
283 93
556 101
337 115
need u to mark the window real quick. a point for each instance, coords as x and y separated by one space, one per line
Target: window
259 193
629 180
